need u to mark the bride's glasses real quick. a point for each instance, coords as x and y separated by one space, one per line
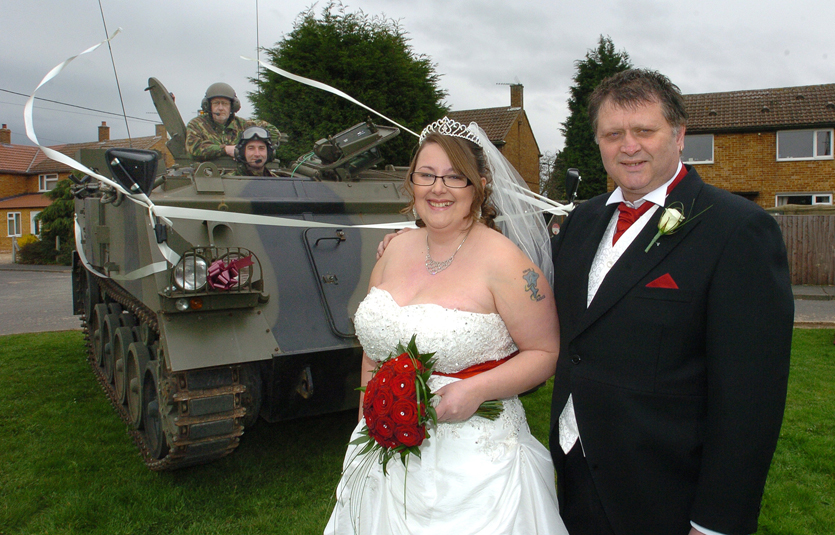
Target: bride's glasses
450 181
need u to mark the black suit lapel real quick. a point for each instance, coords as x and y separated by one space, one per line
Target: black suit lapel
635 264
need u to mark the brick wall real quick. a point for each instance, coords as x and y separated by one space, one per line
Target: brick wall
521 151
746 162
25 226
11 185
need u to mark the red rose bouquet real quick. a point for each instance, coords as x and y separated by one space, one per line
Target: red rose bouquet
397 405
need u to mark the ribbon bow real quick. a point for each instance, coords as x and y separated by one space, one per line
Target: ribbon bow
223 276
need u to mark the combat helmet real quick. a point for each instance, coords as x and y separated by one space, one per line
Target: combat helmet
220 89
251 134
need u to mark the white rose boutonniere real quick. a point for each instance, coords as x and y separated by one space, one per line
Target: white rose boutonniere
671 220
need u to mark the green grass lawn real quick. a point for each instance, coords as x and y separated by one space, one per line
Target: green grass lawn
67 464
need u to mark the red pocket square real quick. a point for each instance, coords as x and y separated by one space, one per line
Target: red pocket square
664 281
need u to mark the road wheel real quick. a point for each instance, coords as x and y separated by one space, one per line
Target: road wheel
108 334
138 357
152 416
128 320
96 324
121 345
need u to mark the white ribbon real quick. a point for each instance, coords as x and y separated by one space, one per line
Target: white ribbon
327 88
166 213
80 249
144 271
139 197
197 214
54 154
150 269
543 203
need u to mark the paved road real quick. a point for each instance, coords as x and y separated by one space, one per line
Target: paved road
814 313
36 301
39 301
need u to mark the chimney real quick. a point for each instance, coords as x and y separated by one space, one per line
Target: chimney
516 96
160 131
104 132
5 136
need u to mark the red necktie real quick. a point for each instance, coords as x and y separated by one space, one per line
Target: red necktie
628 215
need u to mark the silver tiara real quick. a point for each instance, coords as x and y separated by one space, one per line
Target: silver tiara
450 127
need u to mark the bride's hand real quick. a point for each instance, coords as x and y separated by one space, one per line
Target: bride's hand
457 402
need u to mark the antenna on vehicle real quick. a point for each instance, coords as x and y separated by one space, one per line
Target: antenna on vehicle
116 75
257 45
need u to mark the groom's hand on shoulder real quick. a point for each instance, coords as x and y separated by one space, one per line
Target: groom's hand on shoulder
381 247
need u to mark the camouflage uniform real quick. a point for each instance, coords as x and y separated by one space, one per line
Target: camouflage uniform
205 139
243 171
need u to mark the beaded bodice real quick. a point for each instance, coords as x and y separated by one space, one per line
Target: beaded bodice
458 338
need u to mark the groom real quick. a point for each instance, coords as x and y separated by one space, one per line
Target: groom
671 381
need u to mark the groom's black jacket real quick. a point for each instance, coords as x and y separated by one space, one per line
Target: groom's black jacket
679 393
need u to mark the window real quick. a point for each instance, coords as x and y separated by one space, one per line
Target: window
13 224
804 145
34 225
805 199
698 148
47 182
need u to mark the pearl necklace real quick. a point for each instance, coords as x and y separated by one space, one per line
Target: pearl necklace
436 267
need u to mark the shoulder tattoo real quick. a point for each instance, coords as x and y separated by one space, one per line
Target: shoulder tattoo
531 277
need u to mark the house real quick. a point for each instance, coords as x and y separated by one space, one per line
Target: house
510 131
772 146
26 174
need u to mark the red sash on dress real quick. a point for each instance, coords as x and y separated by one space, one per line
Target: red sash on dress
476 369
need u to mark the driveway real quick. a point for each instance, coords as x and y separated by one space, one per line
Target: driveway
36 301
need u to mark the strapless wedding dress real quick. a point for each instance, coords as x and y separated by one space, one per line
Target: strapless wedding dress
473 477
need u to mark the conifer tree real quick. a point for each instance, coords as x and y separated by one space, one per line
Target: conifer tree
57 228
367 57
580 150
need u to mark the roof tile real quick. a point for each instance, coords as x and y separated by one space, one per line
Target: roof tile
808 106
17 158
496 122
28 160
26 200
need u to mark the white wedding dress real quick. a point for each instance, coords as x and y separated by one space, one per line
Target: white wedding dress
473 477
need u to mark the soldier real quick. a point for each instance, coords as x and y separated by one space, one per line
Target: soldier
214 133
254 151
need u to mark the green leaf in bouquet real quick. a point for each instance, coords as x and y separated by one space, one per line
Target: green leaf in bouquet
490 409
361 440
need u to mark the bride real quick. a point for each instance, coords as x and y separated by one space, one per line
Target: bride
470 295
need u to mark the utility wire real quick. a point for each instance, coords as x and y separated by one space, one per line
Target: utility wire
113 61
80 107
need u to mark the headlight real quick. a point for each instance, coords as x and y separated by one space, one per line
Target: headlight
190 272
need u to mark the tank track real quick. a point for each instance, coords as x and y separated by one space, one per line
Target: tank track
200 410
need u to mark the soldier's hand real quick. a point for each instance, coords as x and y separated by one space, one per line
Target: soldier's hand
230 150
386 239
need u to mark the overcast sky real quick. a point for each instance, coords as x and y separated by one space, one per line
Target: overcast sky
703 46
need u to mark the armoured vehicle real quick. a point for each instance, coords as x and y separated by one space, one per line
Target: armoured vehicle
215 299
